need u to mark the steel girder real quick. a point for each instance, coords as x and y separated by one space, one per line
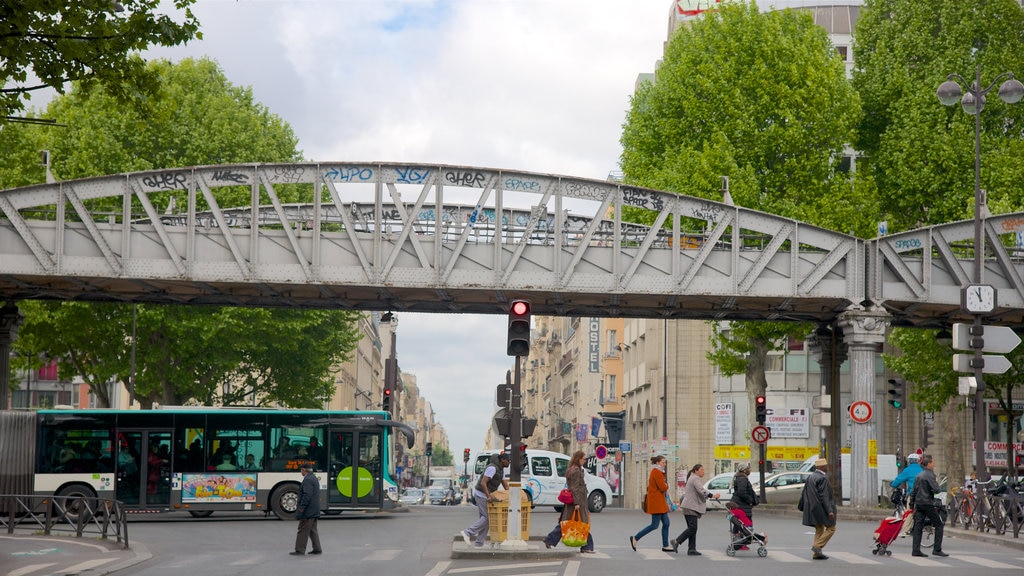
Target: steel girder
419 238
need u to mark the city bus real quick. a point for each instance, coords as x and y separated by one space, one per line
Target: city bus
204 460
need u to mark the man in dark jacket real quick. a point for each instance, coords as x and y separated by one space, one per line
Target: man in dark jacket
925 505
307 512
819 508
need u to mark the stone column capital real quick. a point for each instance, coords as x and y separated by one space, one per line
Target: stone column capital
864 326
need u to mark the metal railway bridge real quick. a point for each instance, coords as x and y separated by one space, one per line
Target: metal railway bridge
428 238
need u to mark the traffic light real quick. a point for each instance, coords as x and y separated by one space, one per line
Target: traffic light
430 448
897 393
519 328
465 455
385 402
760 409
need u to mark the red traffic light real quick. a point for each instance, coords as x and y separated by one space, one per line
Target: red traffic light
519 308
760 400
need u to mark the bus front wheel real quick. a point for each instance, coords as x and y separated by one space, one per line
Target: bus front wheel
71 500
285 501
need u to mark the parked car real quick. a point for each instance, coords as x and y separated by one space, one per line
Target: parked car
413 496
785 488
543 477
721 484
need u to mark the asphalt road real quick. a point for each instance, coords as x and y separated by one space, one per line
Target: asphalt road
420 543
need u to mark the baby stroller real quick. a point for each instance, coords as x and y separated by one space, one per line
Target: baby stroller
742 532
888 531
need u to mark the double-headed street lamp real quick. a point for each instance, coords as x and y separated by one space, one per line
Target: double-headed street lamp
977 298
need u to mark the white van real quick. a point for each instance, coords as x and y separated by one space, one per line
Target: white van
543 477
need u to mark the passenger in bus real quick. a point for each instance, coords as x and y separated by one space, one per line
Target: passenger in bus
126 462
225 463
155 463
250 463
316 451
284 448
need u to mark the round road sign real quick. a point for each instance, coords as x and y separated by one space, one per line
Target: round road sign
760 434
601 451
860 411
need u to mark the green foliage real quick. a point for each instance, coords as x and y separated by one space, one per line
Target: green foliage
441 457
762 98
921 152
46 44
183 354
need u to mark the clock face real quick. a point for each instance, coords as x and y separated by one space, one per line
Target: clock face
979 298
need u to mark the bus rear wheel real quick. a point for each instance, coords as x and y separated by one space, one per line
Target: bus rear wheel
285 501
72 500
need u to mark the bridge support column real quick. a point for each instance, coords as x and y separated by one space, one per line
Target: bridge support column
827 346
864 331
10 320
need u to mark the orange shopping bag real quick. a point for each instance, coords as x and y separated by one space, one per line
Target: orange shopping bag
575 531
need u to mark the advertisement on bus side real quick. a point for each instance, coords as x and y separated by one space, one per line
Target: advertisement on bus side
218 487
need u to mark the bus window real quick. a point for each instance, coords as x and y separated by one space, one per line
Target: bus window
75 446
235 448
294 439
189 442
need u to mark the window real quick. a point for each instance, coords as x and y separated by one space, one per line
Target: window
613 341
843 52
541 465
612 387
561 466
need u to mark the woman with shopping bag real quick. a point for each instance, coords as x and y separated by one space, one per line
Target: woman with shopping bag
574 516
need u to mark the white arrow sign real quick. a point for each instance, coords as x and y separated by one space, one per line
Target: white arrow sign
998 339
994 364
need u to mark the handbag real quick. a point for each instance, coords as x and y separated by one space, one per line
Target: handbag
672 506
574 530
565 496
643 502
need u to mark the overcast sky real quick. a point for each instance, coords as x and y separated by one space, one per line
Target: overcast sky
534 85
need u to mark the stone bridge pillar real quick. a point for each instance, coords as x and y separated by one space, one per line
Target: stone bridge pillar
864 331
10 320
828 349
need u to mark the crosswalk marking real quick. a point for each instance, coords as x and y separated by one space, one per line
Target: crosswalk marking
984 562
782 556
852 558
918 561
572 568
24 570
505 567
383 555
439 568
650 554
718 556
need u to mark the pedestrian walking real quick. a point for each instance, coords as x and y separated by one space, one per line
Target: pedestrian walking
656 504
926 505
743 494
493 476
307 512
819 508
906 477
694 505
577 484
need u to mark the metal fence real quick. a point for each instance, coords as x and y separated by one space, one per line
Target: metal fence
987 512
65 515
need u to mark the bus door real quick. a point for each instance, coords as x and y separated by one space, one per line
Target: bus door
144 468
355 472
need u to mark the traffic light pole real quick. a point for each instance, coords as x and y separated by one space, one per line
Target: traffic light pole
514 538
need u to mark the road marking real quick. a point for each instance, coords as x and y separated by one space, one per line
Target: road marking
504 567
87 565
787 557
29 569
852 558
383 555
40 552
439 568
984 562
649 554
572 568
919 561
719 556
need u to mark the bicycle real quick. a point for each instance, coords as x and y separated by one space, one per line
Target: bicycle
962 508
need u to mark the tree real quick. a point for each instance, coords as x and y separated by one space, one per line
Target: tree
46 44
761 98
921 154
182 354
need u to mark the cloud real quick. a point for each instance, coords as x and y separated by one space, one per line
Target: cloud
532 85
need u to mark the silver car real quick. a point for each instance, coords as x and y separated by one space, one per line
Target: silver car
785 488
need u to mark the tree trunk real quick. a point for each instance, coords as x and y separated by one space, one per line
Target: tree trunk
953 433
757 385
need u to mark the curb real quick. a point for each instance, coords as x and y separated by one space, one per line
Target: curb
535 551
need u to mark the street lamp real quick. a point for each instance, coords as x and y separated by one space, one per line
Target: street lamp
973 101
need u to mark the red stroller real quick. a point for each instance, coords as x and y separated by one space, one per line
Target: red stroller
888 531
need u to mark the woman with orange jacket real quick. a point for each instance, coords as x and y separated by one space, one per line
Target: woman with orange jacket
657 504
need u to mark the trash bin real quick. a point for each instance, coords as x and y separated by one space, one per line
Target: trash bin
497 516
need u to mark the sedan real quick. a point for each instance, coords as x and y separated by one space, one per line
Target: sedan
721 484
413 496
785 488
